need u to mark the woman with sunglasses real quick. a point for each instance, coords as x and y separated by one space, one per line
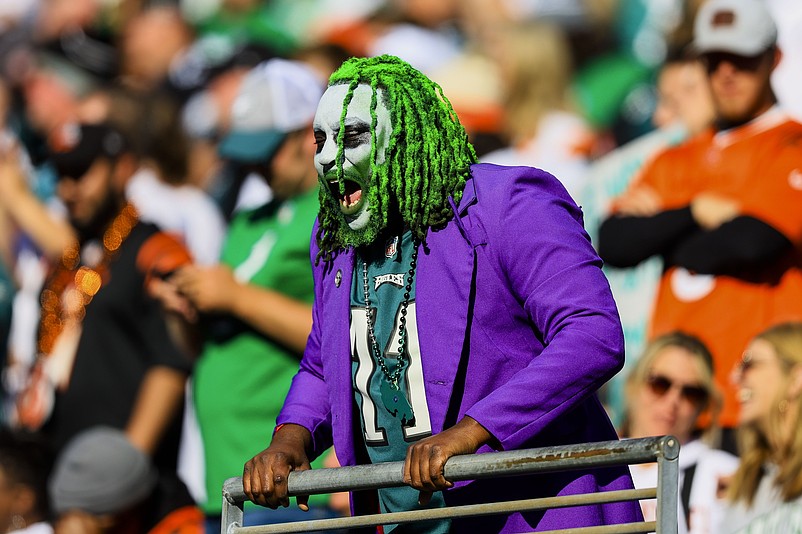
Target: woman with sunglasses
668 389
766 492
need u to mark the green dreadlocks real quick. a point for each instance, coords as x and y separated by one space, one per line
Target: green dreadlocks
427 160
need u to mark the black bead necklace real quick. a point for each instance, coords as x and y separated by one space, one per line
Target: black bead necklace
394 400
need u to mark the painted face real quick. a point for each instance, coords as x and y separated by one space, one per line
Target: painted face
355 192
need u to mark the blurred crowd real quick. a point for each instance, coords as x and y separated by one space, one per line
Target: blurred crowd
201 111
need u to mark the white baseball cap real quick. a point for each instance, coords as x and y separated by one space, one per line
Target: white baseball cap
742 27
277 97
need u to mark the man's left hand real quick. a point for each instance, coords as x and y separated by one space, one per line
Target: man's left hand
423 467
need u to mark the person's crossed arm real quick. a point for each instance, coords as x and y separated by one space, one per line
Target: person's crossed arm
708 236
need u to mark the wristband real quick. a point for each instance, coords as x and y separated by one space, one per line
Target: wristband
278 428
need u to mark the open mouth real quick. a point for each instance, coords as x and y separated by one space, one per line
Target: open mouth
351 199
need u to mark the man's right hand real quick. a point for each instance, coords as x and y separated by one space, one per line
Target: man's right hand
264 478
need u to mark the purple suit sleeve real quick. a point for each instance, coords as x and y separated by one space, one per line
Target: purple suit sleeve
307 403
537 240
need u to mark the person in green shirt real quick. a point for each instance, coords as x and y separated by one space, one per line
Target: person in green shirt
254 308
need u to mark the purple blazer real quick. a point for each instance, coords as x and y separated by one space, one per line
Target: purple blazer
518 330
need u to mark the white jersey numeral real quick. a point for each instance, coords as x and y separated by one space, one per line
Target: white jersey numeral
374 435
366 367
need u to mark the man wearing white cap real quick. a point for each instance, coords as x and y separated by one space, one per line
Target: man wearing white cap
723 208
255 307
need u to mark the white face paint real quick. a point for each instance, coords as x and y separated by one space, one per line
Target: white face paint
353 203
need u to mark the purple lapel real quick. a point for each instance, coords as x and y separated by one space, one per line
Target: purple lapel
442 295
336 352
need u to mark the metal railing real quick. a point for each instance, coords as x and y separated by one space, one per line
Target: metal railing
664 450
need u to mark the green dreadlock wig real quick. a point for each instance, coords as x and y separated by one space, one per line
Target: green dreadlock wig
427 159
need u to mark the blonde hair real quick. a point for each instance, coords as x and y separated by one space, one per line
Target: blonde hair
537 67
754 445
639 375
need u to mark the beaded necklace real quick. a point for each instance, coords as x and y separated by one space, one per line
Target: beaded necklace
394 400
71 286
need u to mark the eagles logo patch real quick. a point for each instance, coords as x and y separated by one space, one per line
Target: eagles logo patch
397 279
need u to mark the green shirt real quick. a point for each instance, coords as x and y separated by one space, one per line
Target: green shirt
242 376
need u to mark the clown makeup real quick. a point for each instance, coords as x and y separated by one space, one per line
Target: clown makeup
354 191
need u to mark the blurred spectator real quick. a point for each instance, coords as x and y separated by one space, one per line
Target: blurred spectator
100 483
152 44
24 470
53 92
471 82
207 117
159 189
723 208
235 22
421 32
161 195
256 305
35 235
107 353
535 68
684 108
470 77
684 98
667 390
766 491
618 51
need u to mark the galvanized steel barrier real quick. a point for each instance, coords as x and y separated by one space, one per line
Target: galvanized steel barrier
664 450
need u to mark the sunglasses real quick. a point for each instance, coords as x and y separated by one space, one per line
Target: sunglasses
660 385
713 61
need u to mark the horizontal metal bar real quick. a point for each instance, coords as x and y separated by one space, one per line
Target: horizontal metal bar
476 466
624 528
469 510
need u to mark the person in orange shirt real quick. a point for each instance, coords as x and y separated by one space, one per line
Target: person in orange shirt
722 209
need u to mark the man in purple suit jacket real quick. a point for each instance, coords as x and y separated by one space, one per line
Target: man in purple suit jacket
459 308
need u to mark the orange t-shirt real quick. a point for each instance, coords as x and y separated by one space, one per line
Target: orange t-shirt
760 166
